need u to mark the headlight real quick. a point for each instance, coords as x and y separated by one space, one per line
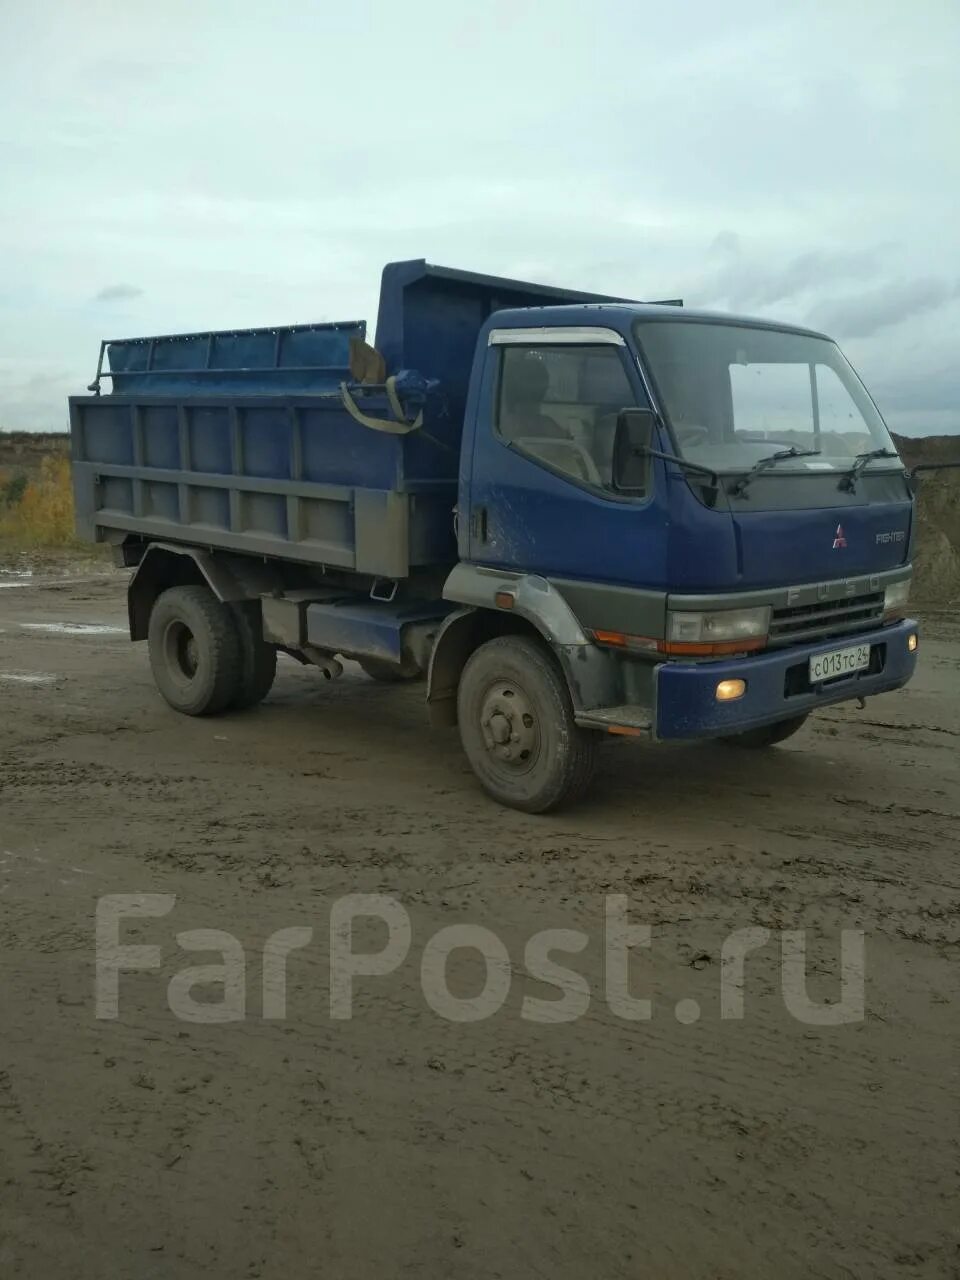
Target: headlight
721 630
896 596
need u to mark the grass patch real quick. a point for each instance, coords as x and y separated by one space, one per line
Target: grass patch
37 511
13 489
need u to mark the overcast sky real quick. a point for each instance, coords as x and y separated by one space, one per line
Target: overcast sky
191 165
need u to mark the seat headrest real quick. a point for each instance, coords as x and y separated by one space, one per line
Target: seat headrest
527 380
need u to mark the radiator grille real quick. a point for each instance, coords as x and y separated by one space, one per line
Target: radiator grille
826 618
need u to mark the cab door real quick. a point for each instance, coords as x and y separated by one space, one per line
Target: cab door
541 498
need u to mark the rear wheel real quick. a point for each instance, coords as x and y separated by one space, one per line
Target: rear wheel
258 660
517 727
195 651
767 735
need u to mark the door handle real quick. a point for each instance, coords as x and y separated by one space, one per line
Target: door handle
478 523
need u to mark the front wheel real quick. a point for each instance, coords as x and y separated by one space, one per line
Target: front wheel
767 735
517 727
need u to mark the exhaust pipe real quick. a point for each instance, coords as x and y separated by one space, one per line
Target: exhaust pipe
326 662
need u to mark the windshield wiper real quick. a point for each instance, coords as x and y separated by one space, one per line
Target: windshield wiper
740 488
849 482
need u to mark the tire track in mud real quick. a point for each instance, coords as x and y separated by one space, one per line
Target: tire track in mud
258 846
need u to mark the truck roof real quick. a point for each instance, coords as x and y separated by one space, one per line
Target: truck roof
617 315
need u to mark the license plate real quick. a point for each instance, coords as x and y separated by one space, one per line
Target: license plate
839 662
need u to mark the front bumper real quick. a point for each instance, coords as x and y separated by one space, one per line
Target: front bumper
777 685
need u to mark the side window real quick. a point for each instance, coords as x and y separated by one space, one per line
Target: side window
559 406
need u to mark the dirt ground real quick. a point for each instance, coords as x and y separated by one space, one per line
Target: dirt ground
398 1143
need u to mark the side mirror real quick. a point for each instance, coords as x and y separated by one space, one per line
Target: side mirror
631 450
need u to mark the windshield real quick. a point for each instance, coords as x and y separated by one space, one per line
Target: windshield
734 394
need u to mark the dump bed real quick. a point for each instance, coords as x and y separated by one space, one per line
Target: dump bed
298 442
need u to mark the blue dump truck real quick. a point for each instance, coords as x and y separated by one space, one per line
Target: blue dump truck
574 515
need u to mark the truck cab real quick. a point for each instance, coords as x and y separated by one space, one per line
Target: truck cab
716 500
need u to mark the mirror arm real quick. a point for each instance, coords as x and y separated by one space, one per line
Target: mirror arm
687 466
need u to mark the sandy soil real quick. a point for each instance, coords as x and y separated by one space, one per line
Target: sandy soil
400 1144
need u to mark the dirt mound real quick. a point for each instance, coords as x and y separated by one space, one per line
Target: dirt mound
937 549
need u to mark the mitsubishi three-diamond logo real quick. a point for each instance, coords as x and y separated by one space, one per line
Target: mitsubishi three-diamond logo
839 539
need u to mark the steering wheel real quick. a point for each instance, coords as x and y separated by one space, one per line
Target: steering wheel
692 433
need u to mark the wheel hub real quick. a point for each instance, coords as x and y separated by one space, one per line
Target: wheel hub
509 726
182 651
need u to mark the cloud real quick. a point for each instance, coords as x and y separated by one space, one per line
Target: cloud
746 282
927 392
35 397
862 315
726 244
767 189
118 293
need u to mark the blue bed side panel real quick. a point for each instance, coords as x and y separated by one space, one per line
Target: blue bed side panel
313 358
321 443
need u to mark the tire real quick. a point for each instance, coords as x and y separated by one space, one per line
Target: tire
195 651
513 698
258 660
767 735
386 673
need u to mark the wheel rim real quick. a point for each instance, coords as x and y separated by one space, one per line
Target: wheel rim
180 650
510 729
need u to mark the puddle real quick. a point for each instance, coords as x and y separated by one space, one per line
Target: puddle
15 578
75 628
